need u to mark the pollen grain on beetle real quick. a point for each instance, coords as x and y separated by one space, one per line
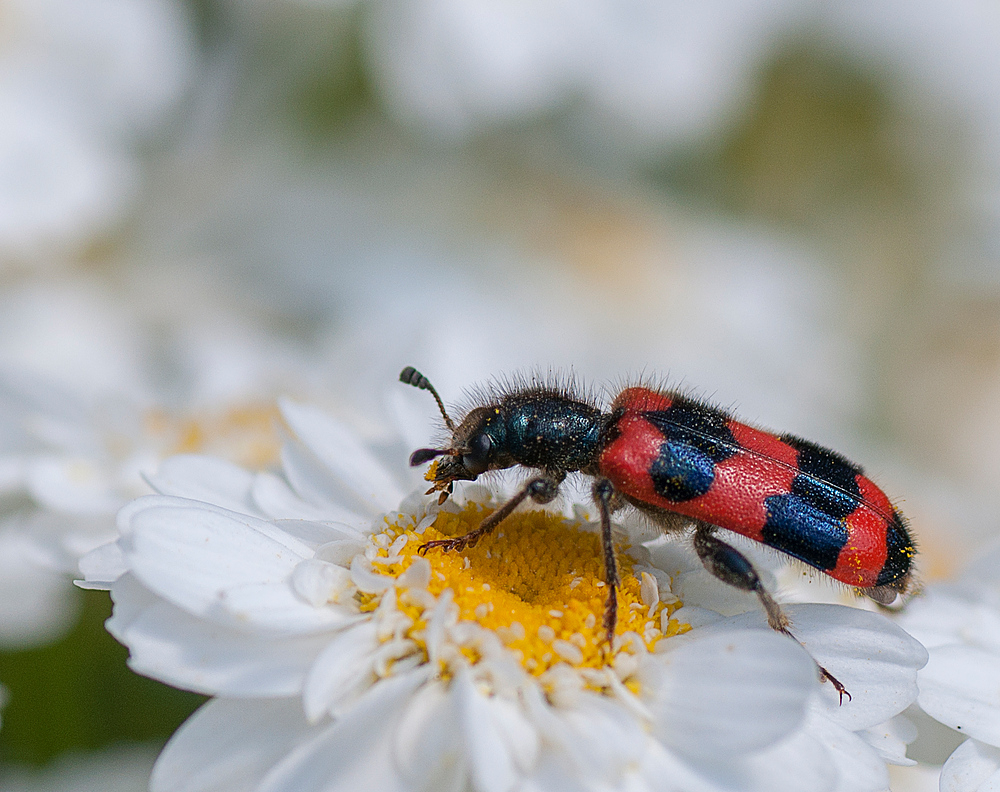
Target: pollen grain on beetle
536 583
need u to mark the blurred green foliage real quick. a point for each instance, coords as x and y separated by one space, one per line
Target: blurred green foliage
338 88
299 66
78 694
821 135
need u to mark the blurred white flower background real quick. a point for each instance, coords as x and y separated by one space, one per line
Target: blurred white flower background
791 208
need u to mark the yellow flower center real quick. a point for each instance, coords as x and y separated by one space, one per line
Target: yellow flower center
537 583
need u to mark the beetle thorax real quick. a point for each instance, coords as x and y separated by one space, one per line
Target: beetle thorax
547 431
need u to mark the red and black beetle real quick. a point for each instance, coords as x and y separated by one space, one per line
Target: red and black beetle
687 465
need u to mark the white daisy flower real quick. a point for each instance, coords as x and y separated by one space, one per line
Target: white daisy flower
339 657
959 623
73 464
79 79
91 399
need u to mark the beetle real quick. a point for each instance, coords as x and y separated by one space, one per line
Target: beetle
688 466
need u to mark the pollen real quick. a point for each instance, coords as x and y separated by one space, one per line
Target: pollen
536 582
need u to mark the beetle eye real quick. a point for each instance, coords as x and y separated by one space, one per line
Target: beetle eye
476 460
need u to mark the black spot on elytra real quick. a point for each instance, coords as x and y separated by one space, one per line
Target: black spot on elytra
899 551
795 526
697 438
826 480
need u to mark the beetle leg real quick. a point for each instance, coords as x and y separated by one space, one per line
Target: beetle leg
730 566
542 489
603 495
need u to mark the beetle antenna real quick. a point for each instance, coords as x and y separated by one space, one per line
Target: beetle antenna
411 376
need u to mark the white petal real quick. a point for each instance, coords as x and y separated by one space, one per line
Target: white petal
313 483
874 659
695 616
600 739
501 742
859 768
985 566
73 485
664 771
341 551
37 604
442 614
799 764
890 739
102 566
973 767
275 498
229 744
316 534
699 587
981 625
936 618
430 746
123 520
168 644
320 582
355 753
961 688
344 456
366 578
205 478
519 735
727 693
276 608
554 774
189 553
335 674
820 757
417 574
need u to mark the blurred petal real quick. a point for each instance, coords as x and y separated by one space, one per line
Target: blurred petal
168 644
960 688
973 767
343 456
431 753
102 566
729 693
355 753
501 742
274 497
874 659
344 662
203 478
890 739
229 744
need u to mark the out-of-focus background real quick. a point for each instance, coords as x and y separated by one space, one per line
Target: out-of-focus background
789 207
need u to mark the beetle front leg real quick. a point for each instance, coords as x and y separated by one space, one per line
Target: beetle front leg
541 489
730 566
603 493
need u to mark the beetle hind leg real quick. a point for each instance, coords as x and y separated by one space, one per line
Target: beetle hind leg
730 566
